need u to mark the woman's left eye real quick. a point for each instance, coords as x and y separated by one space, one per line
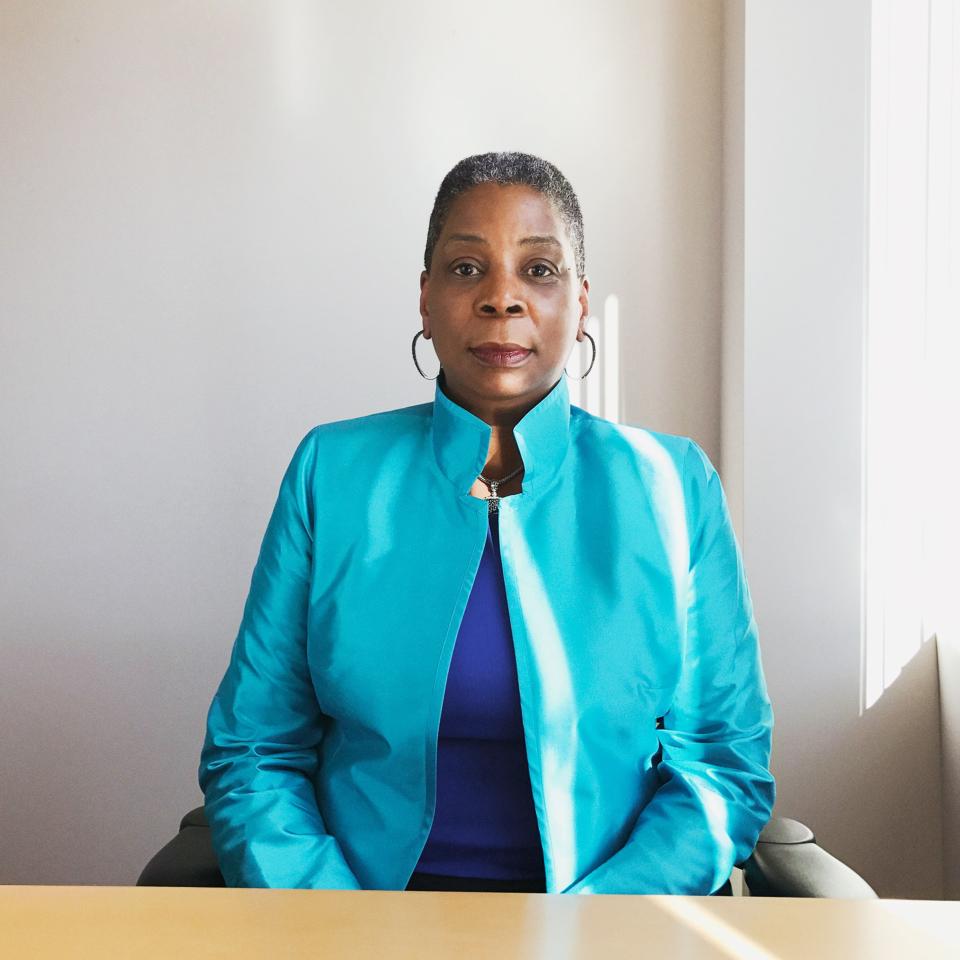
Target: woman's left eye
545 266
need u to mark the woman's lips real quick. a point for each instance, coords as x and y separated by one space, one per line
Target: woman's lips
500 358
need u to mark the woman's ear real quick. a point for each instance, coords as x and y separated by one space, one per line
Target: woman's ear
424 313
584 299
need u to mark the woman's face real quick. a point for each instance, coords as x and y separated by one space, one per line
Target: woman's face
503 272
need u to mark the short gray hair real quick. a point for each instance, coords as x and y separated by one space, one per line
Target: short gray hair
508 168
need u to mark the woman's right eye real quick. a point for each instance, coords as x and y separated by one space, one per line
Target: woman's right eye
461 266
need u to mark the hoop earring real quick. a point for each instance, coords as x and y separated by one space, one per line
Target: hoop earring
592 359
413 349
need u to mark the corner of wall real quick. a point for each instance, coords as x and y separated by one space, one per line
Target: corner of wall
731 324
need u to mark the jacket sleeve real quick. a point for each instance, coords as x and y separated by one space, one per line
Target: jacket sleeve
264 724
716 792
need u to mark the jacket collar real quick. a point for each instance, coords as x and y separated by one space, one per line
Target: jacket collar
461 439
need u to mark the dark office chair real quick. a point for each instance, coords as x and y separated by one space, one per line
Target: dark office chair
786 862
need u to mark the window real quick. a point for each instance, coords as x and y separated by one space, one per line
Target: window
911 524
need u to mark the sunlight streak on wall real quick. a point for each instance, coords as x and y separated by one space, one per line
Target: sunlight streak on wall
599 392
611 358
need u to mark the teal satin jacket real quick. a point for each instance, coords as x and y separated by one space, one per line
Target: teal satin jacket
627 601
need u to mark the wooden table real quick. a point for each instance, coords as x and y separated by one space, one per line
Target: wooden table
177 923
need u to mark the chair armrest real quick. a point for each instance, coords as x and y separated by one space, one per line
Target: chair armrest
787 862
188 860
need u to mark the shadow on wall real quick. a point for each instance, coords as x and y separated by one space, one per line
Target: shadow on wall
948 666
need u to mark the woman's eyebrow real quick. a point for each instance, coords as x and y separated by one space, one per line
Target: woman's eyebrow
543 240
466 237
476 238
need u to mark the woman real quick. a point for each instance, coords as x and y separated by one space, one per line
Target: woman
494 642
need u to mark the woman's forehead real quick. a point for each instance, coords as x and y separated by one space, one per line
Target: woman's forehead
514 210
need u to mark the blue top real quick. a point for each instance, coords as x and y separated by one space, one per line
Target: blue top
485 823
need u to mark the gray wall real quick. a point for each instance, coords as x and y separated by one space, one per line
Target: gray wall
213 218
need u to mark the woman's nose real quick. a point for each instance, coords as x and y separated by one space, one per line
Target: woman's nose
499 295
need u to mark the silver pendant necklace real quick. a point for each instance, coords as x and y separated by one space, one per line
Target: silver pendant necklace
493 501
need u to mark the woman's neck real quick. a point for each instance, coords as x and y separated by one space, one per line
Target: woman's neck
503 454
